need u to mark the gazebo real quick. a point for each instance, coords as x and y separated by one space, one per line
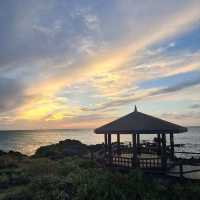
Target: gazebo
137 154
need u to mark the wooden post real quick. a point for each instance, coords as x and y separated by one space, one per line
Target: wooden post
105 144
138 143
181 170
159 143
134 161
172 145
163 152
109 150
118 144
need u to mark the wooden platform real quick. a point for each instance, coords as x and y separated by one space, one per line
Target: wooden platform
188 171
153 162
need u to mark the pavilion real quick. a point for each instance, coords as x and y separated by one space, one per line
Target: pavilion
137 123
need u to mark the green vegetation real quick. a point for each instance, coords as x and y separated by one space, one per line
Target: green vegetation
76 178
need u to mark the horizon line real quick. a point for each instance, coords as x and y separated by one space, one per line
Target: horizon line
60 129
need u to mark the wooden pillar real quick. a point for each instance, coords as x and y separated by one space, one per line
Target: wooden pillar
181 170
135 160
159 143
138 142
105 144
163 152
109 150
172 145
118 144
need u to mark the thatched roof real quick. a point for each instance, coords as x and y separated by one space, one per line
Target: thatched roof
137 122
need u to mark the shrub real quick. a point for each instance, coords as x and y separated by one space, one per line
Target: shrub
41 166
50 188
9 178
42 188
19 193
7 162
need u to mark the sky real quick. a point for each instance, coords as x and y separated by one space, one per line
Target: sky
80 64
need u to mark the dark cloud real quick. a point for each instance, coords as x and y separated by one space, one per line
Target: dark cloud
180 86
11 94
114 103
179 116
195 106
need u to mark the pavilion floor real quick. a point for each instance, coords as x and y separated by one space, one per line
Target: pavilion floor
189 171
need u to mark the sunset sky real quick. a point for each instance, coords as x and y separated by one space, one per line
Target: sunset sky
82 63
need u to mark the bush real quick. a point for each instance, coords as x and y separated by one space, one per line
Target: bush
80 179
7 162
73 164
42 188
40 166
51 188
20 193
97 184
10 178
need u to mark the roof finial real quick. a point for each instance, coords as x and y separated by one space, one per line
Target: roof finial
135 109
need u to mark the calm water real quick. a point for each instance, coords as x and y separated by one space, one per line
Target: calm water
28 141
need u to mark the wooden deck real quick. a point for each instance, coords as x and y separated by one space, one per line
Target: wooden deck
152 162
149 160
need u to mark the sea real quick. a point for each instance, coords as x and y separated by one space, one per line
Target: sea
28 141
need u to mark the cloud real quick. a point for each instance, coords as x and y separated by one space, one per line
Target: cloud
56 46
178 87
191 118
181 21
123 100
11 94
34 31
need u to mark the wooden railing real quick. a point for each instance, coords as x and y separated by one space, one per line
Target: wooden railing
145 163
150 163
129 150
119 161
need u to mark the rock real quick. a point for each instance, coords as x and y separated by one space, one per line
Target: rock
13 154
16 154
96 147
2 153
63 149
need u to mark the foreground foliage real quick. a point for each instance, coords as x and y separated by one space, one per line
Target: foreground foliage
75 178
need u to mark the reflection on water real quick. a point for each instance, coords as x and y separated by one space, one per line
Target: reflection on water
28 141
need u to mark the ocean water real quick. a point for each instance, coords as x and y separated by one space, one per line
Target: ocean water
27 142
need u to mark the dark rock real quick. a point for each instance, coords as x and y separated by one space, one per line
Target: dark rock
2 153
16 154
96 147
13 154
63 149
